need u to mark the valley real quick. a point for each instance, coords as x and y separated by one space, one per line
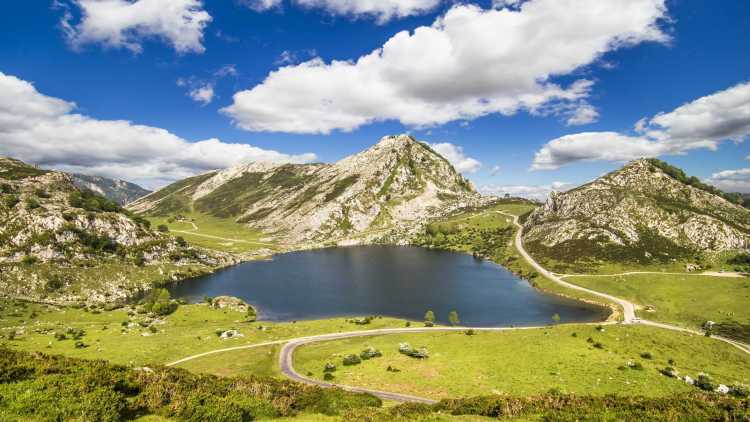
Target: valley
632 271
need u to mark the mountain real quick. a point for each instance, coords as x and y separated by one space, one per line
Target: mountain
647 211
382 194
119 191
59 243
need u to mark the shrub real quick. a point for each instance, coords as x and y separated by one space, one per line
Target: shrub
647 355
328 376
32 203
352 359
739 390
330 367
29 260
59 336
159 302
429 316
469 332
80 345
704 382
370 353
162 228
598 345
453 318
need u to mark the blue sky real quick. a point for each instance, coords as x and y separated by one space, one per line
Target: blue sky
139 63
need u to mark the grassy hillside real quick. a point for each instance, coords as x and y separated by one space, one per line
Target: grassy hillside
530 362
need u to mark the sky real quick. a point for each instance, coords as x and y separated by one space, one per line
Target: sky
523 97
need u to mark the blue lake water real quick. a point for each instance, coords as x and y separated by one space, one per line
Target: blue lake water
390 281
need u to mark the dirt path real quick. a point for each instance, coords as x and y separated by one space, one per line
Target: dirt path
223 238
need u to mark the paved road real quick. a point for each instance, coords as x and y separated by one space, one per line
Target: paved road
286 361
628 309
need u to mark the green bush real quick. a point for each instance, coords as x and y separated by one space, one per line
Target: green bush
370 353
162 228
704 382
352 359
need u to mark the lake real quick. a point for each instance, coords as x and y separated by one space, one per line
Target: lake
392 281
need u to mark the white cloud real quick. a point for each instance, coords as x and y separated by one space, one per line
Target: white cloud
261 5
731 180
455 155
125 23
203 94
535 192
46 131
583 115
469 63
382 10
495 170
700 124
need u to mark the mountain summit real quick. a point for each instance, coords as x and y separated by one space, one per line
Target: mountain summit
643 212
380 194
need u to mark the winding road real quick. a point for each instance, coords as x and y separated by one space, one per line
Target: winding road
286 355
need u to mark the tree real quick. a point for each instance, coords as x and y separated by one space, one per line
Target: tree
163 228
453 318
429 316
556 318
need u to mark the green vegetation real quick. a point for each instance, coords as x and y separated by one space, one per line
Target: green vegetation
42 387
530 362
340 186
176 198
215 233
12 169
92 202
123 335
679 175
687 300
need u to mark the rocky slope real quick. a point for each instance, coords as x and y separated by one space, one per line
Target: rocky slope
382 194
54 237
119 191
638 213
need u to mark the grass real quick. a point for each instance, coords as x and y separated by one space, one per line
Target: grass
529 362
687 300
261 361
190 330
222 234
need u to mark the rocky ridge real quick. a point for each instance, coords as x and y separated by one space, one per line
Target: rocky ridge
640 208
383 194
53 234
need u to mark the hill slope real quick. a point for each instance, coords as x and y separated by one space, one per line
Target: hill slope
638 214
62 244
119 191
380 195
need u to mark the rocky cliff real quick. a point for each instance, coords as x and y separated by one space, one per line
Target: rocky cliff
382 194
636 213
54 236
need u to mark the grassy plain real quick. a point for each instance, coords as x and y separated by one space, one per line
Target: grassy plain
190 330
529 362
223 234
687 300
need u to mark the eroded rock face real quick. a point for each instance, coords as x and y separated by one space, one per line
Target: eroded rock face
381 194
638 200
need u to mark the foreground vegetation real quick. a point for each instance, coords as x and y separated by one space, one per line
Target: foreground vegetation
576 359
42 387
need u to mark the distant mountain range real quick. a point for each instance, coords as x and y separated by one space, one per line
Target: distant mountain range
119 191
647 211
383 194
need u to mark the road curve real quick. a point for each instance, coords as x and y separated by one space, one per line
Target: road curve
286 360
628 309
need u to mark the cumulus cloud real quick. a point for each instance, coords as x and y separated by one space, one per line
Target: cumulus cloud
455 155
700 124
731 180
469 63
203 94
125 23
583 115
381 10
535 192
45 130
